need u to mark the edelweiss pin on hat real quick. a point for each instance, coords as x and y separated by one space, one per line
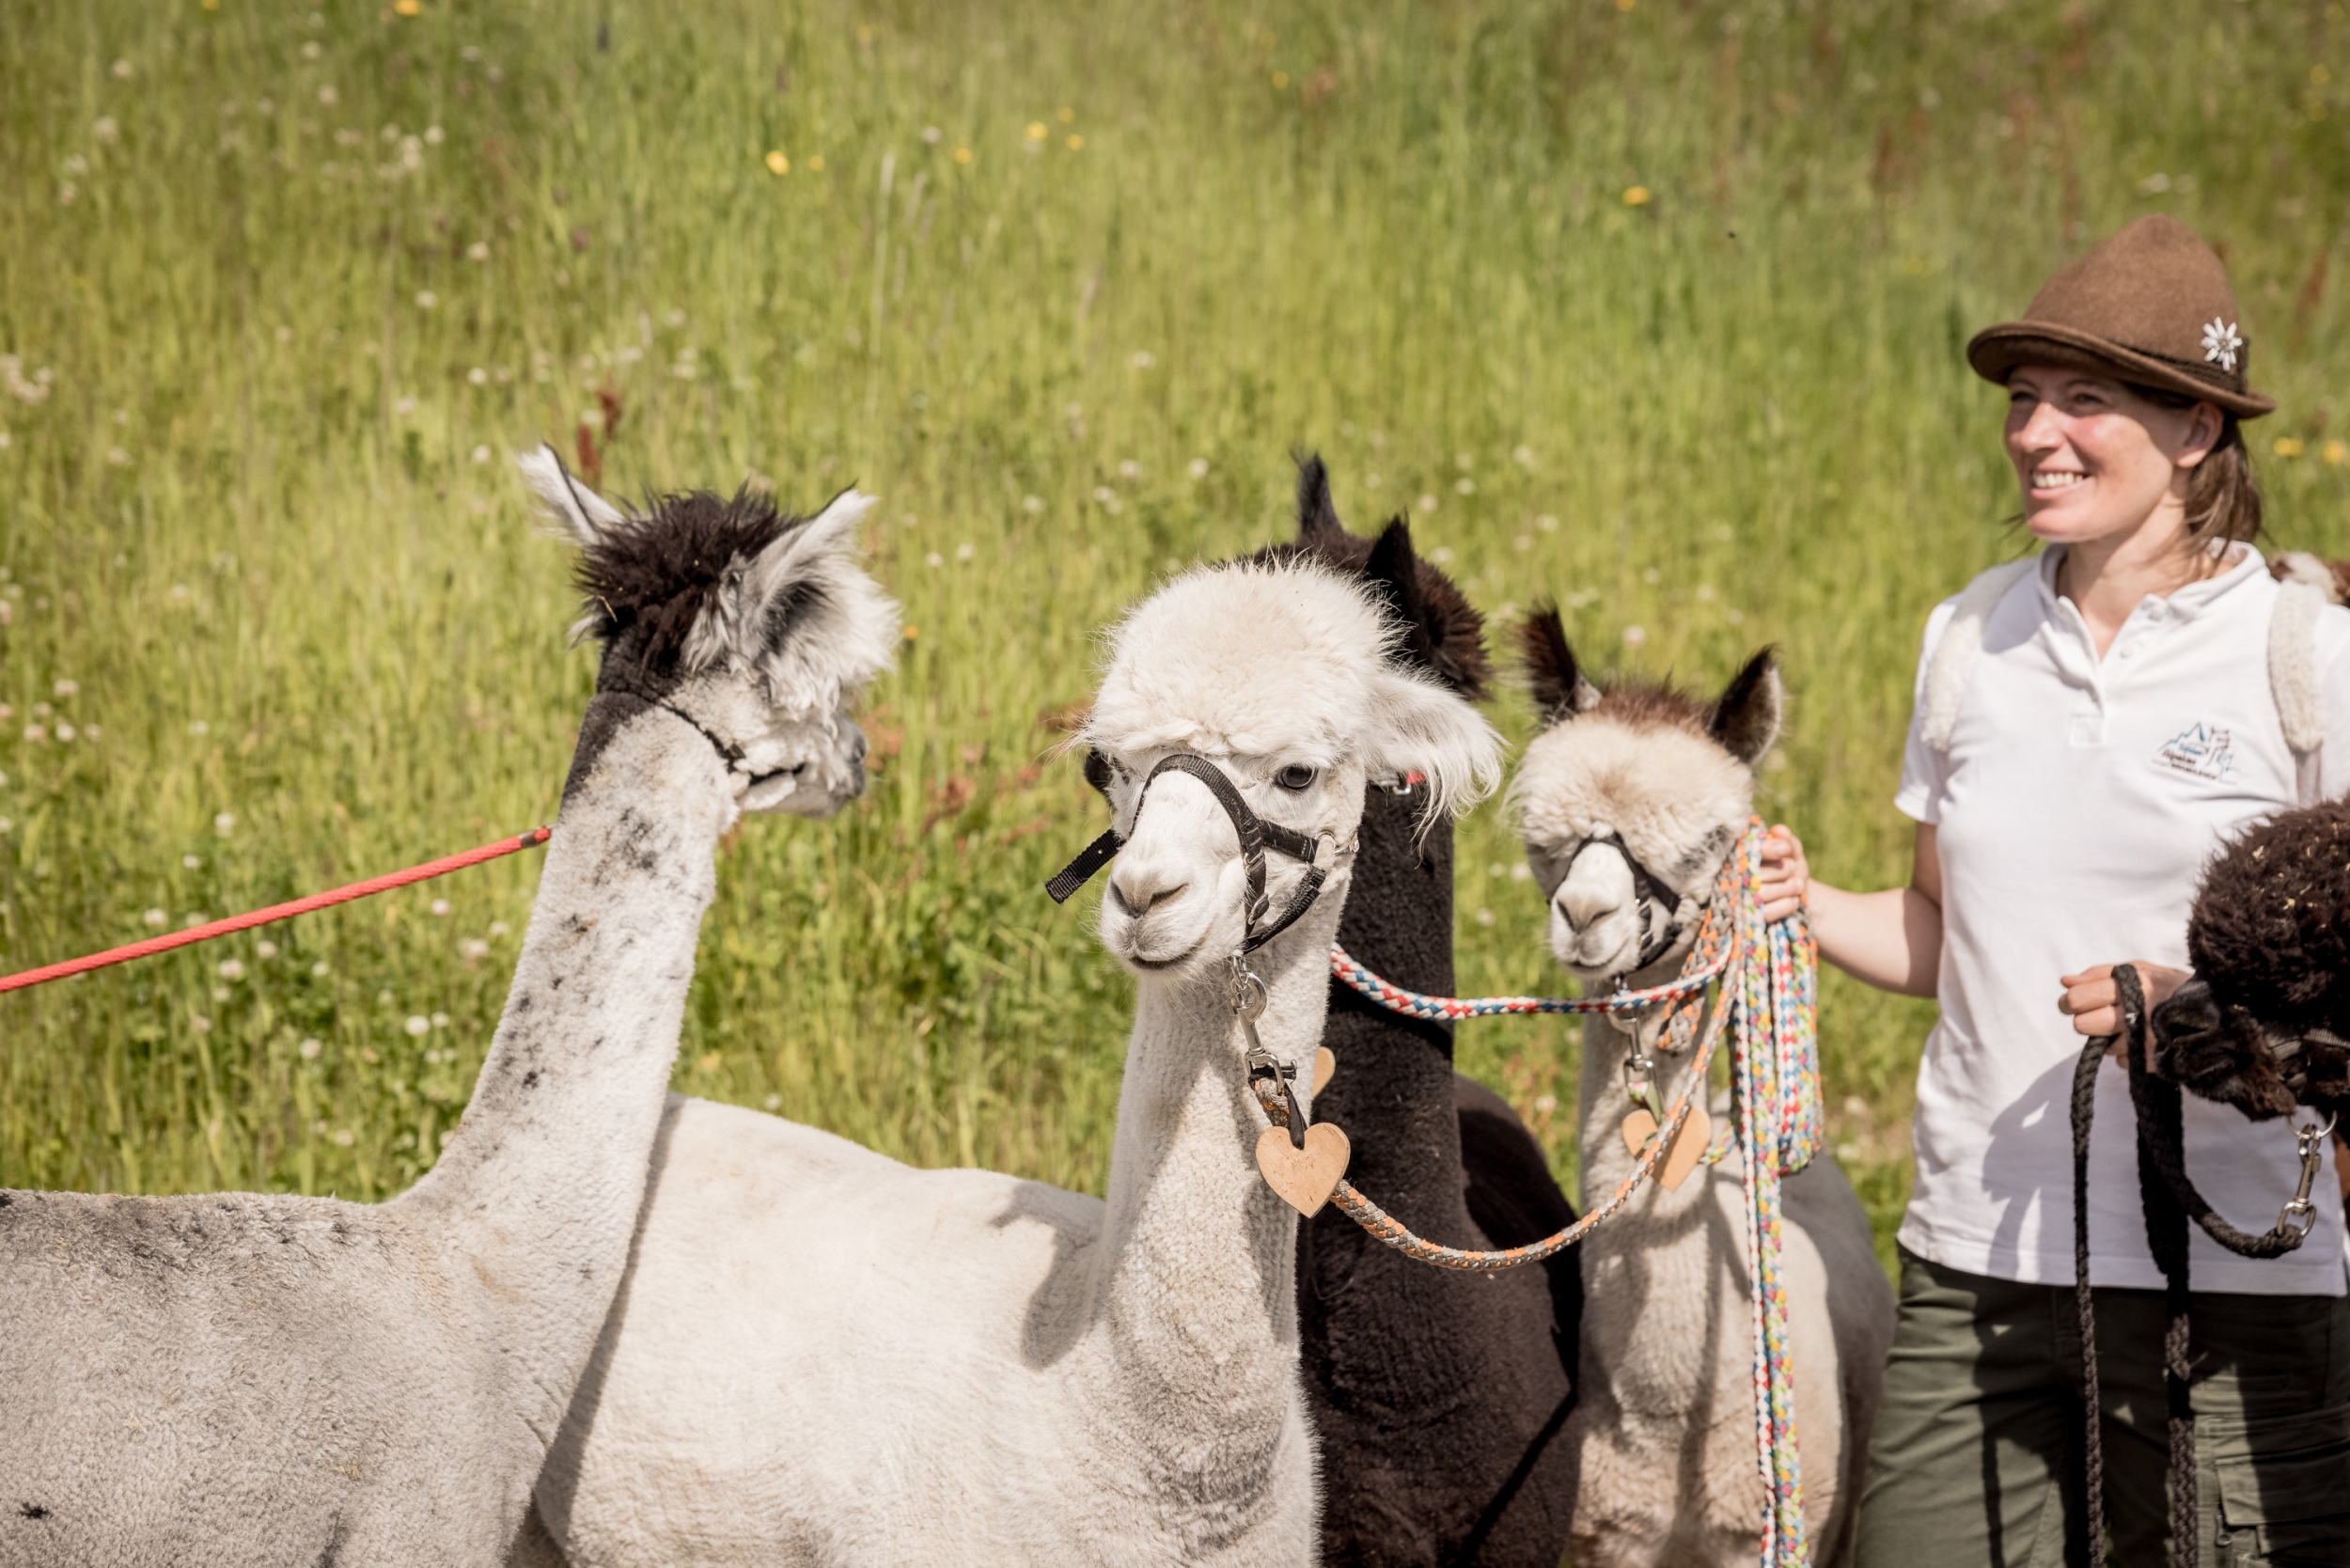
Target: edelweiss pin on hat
2150 306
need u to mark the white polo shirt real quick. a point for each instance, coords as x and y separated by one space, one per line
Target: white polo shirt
2075 810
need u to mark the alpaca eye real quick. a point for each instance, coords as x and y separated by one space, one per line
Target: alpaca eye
1294 777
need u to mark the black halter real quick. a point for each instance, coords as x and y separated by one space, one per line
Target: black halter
1649 892
1256 836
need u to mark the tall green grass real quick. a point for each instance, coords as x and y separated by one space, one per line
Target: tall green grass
1655 307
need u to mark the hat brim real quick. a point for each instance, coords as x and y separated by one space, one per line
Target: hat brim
1998 350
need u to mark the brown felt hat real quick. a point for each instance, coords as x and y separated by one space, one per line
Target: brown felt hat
2150 306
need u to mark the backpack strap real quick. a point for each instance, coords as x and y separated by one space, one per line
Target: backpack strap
1953 661
2292 676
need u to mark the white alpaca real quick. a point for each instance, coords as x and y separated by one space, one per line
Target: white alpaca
244 1379
1629 801
820 1355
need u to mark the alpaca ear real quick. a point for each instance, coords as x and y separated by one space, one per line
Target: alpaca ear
1561 690
1745 720
586 516
1413 723
806 553
1394 570
1317 518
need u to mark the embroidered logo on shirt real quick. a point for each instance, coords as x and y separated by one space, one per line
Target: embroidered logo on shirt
2200 751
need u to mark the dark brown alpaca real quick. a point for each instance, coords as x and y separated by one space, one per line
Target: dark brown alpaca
2264 1024
1438 1397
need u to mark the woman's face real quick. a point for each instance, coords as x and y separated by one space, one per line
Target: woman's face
2095 459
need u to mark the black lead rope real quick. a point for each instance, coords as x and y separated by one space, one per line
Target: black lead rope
1256 836
2169 1199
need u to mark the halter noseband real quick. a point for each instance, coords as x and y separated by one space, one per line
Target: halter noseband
1256 836
1649 892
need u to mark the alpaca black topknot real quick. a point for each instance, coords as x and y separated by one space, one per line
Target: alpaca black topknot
647 581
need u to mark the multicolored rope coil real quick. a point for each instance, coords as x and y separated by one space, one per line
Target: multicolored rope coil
1768 1002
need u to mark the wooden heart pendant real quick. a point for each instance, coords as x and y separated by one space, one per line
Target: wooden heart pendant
1325 1066
1681 1158
1305 1178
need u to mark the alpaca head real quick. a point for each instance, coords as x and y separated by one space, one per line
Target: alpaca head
2264 1023
1441 632
1280 674
1629 799
757 626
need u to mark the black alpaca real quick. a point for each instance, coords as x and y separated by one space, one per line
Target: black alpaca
1438 1397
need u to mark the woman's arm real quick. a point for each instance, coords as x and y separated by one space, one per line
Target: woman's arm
1891 939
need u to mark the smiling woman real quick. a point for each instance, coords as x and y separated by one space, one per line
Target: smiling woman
2089 727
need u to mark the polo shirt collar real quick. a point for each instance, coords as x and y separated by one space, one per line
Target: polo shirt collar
2244 566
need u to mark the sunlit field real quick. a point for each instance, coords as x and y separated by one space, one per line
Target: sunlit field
1655 307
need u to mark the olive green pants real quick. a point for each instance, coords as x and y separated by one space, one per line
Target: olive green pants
1977 1457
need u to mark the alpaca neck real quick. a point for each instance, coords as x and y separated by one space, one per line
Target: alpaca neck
1393 1090
1654 1273
1195 1319
542 1184
1605 1101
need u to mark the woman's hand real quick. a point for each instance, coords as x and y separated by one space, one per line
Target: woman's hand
2092 1000
1786 875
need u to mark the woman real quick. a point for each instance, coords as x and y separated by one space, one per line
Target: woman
2105 720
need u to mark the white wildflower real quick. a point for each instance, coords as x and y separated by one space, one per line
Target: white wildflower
441 907
105 130
309 1050
478 251
440 1020
230 970
344 1137
964 552
1197 468
155 920
192 862
1032 503
65 730
265 948
477 376
481 453
427 299
63 687
419 1026
1635 636
1144 360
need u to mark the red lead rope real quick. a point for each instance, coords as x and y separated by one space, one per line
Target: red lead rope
385 884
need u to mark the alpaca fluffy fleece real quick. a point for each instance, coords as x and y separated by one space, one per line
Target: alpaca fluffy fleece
1667 791
1299 669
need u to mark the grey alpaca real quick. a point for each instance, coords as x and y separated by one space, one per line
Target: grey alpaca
1439 1396
240 1379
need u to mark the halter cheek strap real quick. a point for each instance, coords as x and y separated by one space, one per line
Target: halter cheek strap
1256 836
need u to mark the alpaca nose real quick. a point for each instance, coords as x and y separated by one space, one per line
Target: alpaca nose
1138 889
1597 885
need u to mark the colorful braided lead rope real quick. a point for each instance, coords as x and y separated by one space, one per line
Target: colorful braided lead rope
1769 1006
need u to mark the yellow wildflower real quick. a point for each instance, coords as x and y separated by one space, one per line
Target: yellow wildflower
2336 453
962 155
2285 446
1068 117
1036 130
408 8
1076 142
778 163
816 161
1280 80
1636 195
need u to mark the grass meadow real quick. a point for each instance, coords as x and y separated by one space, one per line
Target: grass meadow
1653 305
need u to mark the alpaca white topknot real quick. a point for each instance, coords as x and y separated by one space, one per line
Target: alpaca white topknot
1249 659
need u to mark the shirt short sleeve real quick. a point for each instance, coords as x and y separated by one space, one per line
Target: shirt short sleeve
1924 770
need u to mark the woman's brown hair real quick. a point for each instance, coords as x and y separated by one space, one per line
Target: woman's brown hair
2223 500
